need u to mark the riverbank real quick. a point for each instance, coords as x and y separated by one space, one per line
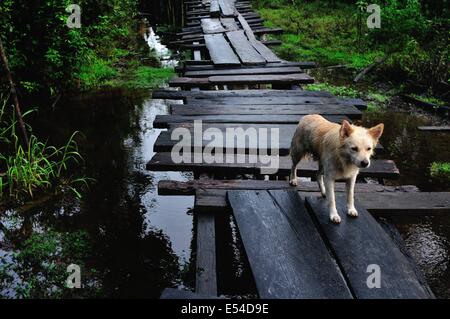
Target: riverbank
409 53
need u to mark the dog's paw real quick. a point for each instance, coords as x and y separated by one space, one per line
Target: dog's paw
352 212
335 218
293 182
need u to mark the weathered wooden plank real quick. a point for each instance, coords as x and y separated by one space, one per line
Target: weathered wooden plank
407 203
360 243
399 202
244 71
165 143
178 95
280 79
229 24
247 29
172 187
268 55
434 128
212 26
206 277
244 49
163 121
214 8
245 164
285 252
263 100
227 8
267 109
209 66
220 50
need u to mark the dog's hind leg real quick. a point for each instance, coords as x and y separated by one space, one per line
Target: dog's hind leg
296 157
320 180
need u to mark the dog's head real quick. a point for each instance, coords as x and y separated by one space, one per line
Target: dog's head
358 142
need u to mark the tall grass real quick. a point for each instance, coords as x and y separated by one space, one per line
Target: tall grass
36 167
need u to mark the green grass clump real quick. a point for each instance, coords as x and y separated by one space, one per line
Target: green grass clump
440 170
342 91
142 77
35 167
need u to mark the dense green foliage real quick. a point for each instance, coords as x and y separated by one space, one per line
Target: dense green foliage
413 38
46 55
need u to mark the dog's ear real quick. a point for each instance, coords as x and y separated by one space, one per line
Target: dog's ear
346 129
376 131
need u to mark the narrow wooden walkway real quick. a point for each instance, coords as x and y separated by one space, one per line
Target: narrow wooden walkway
235 83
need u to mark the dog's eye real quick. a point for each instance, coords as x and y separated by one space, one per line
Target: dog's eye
354 149
369 148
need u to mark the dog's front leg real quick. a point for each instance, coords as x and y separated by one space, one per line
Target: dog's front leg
329 189
350 185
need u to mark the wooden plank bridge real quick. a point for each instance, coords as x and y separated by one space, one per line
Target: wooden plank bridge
235 82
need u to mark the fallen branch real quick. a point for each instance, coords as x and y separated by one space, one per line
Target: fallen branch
370 67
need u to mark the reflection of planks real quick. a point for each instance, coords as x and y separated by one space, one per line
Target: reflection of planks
247 164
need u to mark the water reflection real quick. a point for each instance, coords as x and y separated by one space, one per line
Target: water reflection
129 241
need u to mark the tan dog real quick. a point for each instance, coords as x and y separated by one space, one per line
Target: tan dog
341 151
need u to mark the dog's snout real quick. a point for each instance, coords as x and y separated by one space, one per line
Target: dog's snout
364 163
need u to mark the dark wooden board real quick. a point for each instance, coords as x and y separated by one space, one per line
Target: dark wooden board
269 100
244 71
360 242
227 8
214 8
212 26
164 142
280 79
172 187
372 199
229 24
206 276
244 48
216 94
285 252
210 66
407 203
268 55
434 128
220 50
265 109
164 121
231 164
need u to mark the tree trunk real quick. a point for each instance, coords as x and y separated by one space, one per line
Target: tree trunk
14 94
